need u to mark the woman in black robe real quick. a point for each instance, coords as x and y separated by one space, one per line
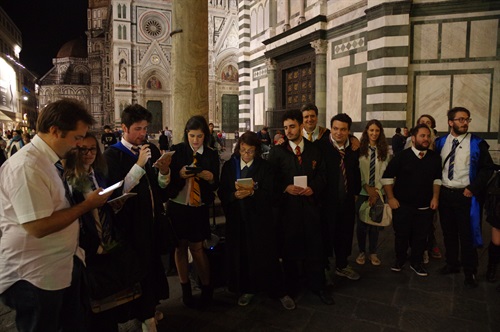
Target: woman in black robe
251 246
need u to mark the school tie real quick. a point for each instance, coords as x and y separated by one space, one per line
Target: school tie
195 194
135 150
421 154
67 192
452 159
244 172
310 136
342 167
103 226
371 182
298 154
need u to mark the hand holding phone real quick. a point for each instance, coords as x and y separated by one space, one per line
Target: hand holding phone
193 170
111 188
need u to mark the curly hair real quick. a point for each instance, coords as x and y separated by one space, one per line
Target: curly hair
249 138
382 146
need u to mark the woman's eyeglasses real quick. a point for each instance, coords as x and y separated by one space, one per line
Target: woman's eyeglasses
86 151
248 152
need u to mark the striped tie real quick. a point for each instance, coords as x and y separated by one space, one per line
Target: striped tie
310 136
195 194
103 225
452 159
342 167
371 183
67 192
298 154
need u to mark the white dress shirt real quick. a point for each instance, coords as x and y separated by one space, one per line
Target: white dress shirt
462 161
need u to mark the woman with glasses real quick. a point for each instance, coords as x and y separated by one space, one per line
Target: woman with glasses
109 261
246 194
194 178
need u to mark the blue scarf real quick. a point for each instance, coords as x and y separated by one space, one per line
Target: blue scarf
475 210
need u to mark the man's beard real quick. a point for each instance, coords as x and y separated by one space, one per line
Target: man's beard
458 131
420 147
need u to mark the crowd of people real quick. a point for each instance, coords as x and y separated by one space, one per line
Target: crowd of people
76 258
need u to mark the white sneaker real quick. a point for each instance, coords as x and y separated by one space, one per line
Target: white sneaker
426 257
287 302
149 325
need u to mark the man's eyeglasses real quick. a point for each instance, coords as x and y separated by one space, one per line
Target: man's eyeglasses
248 152
86 151
463 120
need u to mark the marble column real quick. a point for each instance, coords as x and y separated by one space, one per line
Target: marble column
320 48
189 63
271 84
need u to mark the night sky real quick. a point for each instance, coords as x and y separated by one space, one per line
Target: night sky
46 26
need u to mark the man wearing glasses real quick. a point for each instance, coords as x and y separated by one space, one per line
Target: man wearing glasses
467 167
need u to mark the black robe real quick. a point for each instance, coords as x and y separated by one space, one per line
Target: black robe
251 243
140 223
298 216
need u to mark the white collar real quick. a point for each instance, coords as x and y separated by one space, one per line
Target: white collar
301 145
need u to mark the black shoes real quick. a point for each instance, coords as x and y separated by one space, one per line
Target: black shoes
325 297
397 267
470 281
419 270
448 269
187 295
491 273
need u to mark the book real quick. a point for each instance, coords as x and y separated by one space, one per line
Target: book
300 181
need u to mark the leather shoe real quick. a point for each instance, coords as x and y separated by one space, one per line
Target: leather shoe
470 281
448 269
325 297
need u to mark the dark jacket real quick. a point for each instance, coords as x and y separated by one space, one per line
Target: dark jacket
209 161
332 159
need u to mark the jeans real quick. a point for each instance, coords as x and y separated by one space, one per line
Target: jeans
47 311
363 229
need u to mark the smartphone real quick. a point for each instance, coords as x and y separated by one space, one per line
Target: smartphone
193 170
111 188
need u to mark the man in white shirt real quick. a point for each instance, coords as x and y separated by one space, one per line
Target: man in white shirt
40 261
467 167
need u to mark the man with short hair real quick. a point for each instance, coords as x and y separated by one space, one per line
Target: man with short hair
298 216
40 260
411 182
108 138
467 167
136 161
343 185
311 129
398 141
265 139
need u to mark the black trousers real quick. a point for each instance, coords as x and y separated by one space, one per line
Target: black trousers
341 231
454 213
411 227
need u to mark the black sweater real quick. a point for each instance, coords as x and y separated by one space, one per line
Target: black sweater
414 177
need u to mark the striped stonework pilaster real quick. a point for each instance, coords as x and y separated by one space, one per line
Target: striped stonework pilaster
387 38
244 72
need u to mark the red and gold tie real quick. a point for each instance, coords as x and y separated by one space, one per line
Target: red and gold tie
195 194
298 154
342 167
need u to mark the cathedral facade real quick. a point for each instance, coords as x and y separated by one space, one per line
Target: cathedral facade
372 59
128 61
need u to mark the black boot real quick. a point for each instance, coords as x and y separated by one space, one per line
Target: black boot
207 293
187 295
493 260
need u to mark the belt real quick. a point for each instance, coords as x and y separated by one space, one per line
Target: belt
452 189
